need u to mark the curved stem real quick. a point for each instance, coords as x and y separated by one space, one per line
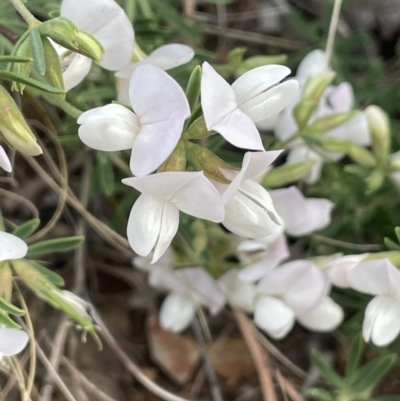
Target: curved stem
332 31
25 13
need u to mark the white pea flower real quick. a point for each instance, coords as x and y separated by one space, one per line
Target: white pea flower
189 288
5 162
164 57
233 110
108 23
154 218
295 290
154 128
249 211
11 247
12 341
382 317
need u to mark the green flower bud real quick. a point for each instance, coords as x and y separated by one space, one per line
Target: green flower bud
379 127
197 130
53 65
324 141
287 174
374 181
89 46
176 161
327 123
200 238
61 30
207 161
24 49
361 155
14 128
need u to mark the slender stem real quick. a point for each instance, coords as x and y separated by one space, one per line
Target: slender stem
25 13
332 31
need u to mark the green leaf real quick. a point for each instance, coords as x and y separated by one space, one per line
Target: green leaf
391 244
9 308
14 59
53 277
193 87
356 352
326 371
370 374
8 322
397 232
321 394
26 229
55 245
38 51
10 76
105 173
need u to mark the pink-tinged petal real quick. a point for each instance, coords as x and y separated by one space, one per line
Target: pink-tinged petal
203 288
327 317
170 56
253 164
273 316
77 69
270 259
257 81
382 320
338 268
5 163
108 128
168 229
144 224
239 293
371 276
301 216
12 341
107 21
341 97
11 247
199 198
312 64
156 97
177 312
270 103
303 153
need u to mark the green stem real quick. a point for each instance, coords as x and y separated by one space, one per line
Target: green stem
62 104
25 13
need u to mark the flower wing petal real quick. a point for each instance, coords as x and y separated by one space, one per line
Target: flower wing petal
5 163
11 247
170 56
12 341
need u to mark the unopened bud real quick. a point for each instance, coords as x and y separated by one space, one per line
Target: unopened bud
287 174
176 161
361 155
207 161
53 65
61 30
324 141
379 126
374 181
197 130
14 128
200 238
327 123
235 56
89 46
24 49
394 161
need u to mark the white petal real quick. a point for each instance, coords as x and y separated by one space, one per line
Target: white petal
177 312
271 258
12 341
257 81
78 66
286 125
270 103
301 216
338 269
5 163
240 294
273 316
108 128
382 320
313 64
327 317
268 124
303 153
107 21
341 97
170 56
371 276
11 247
221 112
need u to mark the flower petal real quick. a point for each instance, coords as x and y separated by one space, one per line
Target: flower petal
11 247
108 128
107 21
302 153
5 163
382 320
355 130
76 71
176 312
12 341
312 64
338 268
170 56
327 317
341 97
273 316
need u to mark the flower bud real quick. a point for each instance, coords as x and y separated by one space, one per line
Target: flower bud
14 128
374 181
61 30
53 65
197 130
209 162
177 160
313 90
89 46
378 123
361 155
327 123
24 49
326 142
394 162
287 174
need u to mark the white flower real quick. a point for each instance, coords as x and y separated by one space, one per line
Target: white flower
382 316
11 247
295 290
152 132
249 211
256 95
165 57
338 269
5 163
12 341
108 23
190 287
154 218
